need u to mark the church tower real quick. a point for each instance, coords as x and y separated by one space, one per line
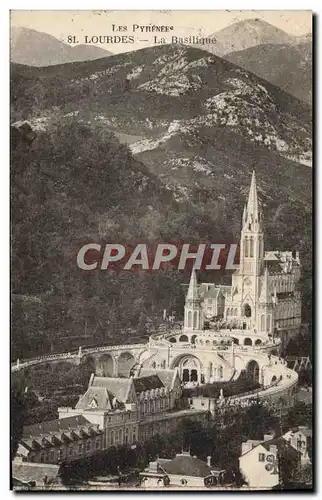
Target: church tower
193 314
251 253
265 309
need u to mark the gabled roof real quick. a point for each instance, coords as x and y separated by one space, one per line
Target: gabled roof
100 395
167 377
147 383
119 387
57 425
271 255
185 465
279 442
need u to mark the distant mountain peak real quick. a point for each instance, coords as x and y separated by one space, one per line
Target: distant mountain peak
36 48
247 33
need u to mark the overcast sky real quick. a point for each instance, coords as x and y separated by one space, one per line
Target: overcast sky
61 24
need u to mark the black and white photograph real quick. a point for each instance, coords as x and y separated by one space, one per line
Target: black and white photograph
161 250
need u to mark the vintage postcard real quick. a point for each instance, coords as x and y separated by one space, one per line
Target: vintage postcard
161 250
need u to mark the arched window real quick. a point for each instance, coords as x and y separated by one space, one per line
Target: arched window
193 339
154 365
126 435
172 340
210 369
251 247
262 322
183 338
248 341
247 311
220 371
112 437
195 319
246 246
189 319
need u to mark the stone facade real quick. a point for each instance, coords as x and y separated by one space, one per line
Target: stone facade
263 297
113 411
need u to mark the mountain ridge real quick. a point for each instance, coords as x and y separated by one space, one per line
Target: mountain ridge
195 126
36 48
287 67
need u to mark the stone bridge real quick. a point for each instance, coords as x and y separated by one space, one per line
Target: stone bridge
201 363
110 361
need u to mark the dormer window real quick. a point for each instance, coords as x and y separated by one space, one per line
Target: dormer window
94 403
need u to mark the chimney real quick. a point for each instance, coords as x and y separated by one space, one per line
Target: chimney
247 446
209 461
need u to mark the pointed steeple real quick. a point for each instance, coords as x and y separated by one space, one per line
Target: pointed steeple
252 205
244 214
193 287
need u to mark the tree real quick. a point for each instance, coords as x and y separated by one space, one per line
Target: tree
17 415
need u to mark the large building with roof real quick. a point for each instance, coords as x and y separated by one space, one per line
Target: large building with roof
112 412
183 471
260 461
264 296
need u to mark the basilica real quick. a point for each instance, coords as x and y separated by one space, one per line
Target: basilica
263 297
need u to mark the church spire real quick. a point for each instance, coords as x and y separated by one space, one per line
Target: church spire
252 205
193 314
193 287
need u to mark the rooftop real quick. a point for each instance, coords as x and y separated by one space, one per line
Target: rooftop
119 387
166 376
147 383
186 465
57 425
96 397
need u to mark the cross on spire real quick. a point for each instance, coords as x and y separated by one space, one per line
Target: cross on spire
193 287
